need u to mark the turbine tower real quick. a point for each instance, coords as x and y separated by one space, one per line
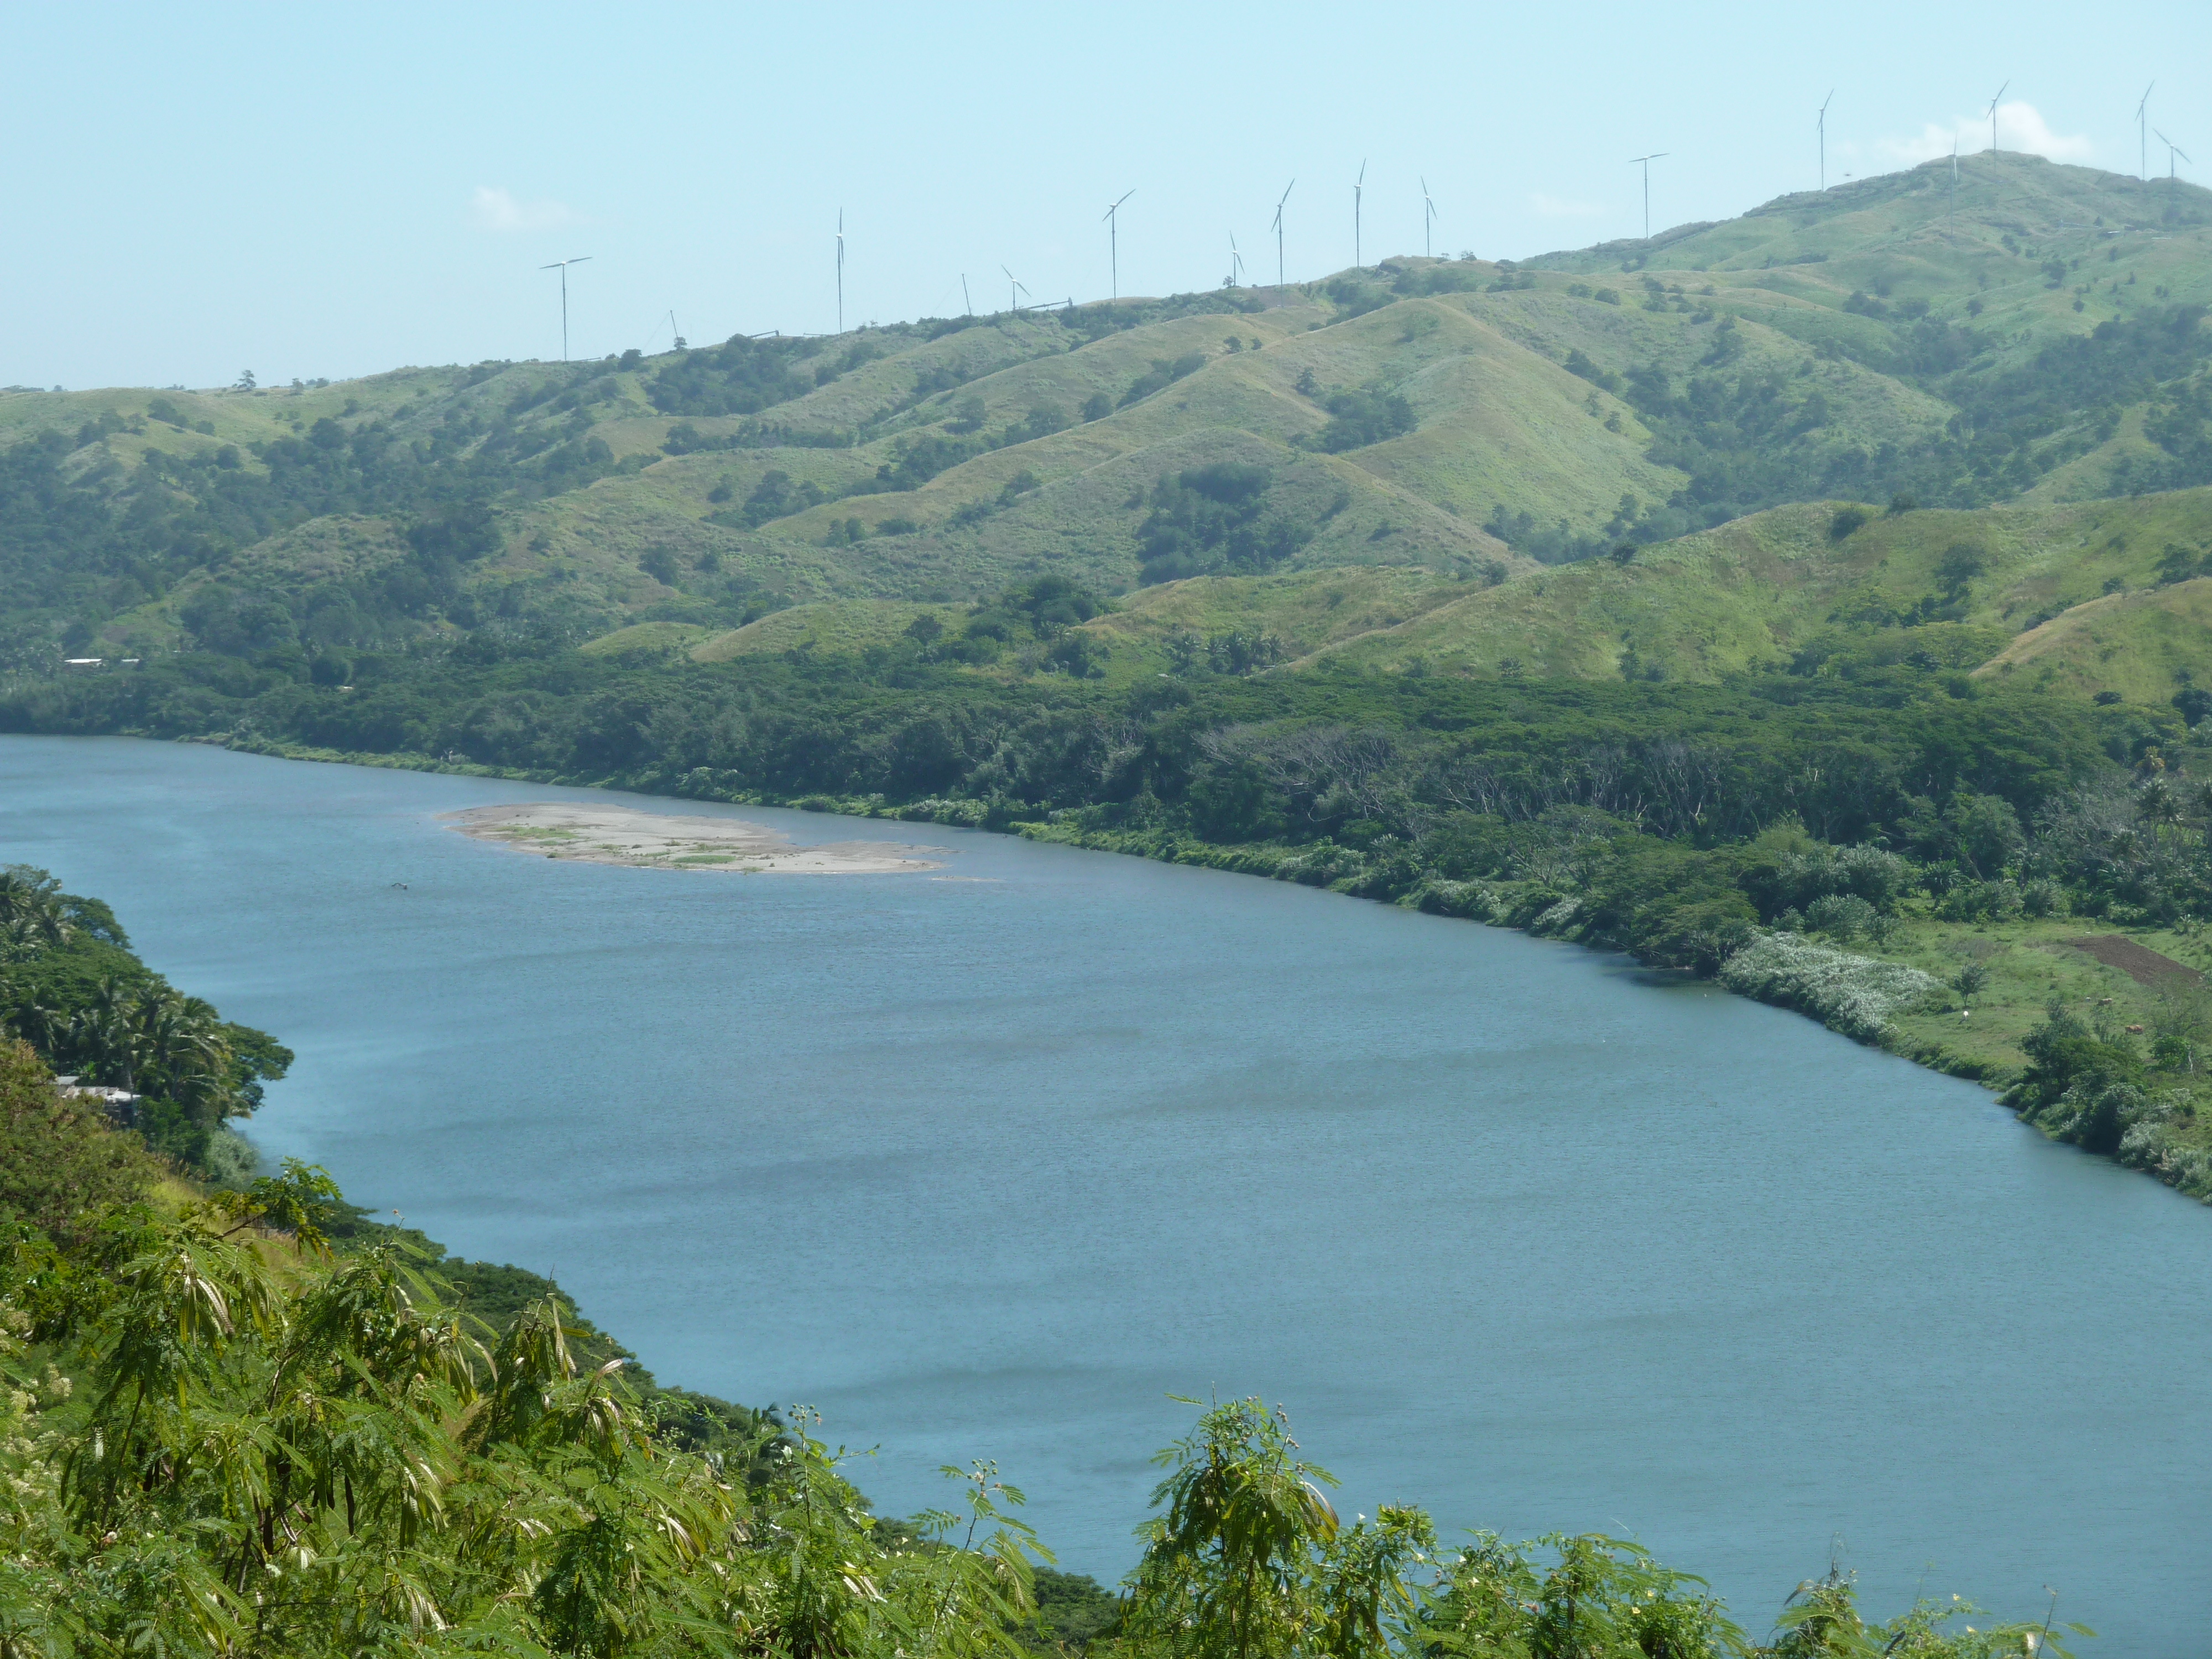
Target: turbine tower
1356 185
2143 143
1993 118
1647 160
561 265
967 305
840 270
1823 124
1113 239
2172 149
1278 228
1428 220
1014 290
1235 264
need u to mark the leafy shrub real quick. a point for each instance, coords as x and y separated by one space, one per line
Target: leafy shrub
1212 517
2066 1056
463 531
1357 419
1779 878
919 459
1163 374
1578 363
738 378
1980 901
776 497
1847 522
1841 915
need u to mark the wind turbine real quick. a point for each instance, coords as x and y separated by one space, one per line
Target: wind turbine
1647 160
1235 263
2172 149
1113 239
840 270
966 304
1014 289
1428 220
561 265
1278 228
1357 185
1823 124
1993 118
2142 144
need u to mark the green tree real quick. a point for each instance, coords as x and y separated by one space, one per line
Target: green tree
1231 1568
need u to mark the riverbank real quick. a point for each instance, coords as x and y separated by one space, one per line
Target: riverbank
1896 986
1900 991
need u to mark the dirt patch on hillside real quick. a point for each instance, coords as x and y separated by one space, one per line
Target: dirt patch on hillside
2138 962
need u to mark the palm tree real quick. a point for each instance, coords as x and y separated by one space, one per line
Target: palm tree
31 915
104 1036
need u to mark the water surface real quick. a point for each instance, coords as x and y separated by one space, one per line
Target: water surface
988 1164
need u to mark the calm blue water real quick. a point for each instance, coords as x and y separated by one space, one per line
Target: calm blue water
988 1167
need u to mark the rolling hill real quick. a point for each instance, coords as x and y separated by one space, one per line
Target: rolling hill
1444 445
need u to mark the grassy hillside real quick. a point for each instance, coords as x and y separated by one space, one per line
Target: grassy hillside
2080 596
842 628
2142 647
1435 414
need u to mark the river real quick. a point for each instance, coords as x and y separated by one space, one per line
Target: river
988 1164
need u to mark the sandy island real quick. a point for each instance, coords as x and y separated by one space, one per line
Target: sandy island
622 834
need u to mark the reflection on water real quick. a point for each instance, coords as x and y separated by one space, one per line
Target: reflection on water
989 1167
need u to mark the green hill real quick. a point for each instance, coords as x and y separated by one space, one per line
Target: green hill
2033 337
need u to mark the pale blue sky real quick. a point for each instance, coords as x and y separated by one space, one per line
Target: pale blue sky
327 191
